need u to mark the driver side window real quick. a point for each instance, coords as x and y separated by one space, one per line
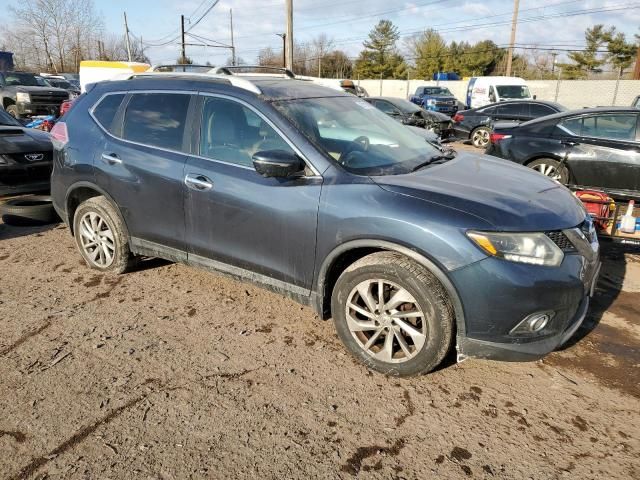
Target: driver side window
387 108
233 133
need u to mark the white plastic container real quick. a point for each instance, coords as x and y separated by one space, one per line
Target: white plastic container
628 221
92 71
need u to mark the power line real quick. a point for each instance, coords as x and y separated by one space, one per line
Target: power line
193 25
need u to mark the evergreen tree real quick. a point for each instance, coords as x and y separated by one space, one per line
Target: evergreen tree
380 55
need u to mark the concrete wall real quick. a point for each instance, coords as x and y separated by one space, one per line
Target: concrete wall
570 93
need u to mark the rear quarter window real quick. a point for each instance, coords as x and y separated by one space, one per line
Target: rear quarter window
105 111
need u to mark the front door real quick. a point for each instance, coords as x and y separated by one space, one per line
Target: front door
603 150
238 220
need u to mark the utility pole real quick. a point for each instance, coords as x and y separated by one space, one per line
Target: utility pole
284 48
183 55
289 37
553 64
126 36
514 22
636 70
233 48
320 65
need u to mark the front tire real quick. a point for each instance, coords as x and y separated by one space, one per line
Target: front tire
480 137
393 315
101 237
551 168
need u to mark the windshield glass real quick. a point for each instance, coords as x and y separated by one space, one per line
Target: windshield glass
357 135
513 91
26 79
56 82
437 91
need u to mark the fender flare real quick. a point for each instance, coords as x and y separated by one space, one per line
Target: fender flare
435 269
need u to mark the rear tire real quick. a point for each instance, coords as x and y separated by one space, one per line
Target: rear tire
551 168
101 236
408 329
480 137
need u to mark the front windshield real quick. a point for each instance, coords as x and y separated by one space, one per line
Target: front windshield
513 91
26 79
56 82
357 135
437 91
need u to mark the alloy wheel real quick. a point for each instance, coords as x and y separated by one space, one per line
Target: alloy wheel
386 321
480 138
548 170
97 240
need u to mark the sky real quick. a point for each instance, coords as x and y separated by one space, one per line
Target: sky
541 22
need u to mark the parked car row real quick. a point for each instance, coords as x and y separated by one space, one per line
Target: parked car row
25 95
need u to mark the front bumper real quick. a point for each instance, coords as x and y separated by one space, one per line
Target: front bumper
497 295
32 109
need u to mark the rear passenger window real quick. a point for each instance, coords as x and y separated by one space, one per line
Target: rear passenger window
232 133
156 119
105 111
540 110
615 127
513 109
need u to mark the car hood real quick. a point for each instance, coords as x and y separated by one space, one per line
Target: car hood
19 139
506 195
27 89
435 116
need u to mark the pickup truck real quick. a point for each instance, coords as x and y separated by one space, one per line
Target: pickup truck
437 99
25 95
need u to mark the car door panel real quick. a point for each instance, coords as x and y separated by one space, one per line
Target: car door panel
262 225
146 181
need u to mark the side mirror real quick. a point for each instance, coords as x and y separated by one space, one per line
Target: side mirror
277 163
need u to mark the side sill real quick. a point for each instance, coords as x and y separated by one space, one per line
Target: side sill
152 249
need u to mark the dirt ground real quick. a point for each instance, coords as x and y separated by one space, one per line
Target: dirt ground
172 373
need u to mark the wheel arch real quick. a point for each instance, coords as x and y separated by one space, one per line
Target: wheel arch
345 254
82 191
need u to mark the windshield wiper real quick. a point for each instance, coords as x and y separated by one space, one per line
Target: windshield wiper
439 158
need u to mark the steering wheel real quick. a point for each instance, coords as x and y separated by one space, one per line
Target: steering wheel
360 143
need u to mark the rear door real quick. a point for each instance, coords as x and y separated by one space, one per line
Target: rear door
236 217
513 112
141 166
603 149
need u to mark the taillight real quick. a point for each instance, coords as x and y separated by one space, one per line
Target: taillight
458 117
497 137
59 134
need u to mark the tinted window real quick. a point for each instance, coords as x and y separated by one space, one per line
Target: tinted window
488 111
618 127
386 107
232 133
156 119
105 111
537 110
512 109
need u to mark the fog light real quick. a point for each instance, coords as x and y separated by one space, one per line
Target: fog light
534 323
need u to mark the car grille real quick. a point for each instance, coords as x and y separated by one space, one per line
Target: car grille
49 98
445 103
561 240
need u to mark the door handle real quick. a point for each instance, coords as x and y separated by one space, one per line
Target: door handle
110 158
198 182
569 143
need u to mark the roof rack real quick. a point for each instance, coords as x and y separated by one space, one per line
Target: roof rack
235 81
186 68
242 69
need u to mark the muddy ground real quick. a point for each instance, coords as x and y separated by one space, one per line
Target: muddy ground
172 373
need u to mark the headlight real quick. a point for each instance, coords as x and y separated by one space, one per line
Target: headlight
431 101
531 248
23 97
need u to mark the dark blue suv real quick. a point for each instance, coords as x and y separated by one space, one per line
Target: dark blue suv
318 195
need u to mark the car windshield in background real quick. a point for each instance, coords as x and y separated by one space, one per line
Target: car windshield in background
358 136
56 82
513 91
7 120
26 79
437 91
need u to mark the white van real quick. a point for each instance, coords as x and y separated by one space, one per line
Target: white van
485 90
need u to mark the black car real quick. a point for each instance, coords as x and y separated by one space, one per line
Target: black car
73 90
25 157
475 124
315 194
594 147
410 114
